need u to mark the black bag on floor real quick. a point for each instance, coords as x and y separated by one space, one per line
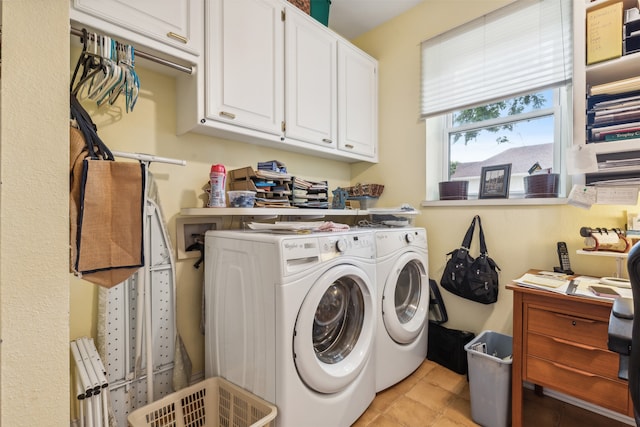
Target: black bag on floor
446 347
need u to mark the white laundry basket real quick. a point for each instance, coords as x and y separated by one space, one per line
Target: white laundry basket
214 402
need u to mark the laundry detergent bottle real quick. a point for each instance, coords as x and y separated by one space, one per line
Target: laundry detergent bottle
218 179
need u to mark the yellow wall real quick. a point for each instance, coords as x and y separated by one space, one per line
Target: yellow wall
34 223
35 288
518 237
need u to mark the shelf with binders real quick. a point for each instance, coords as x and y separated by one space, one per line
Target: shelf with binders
607 72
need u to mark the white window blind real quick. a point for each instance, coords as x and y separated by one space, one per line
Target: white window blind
521 48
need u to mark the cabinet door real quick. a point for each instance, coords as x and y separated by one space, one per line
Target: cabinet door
244 63
310 85
176 23
357 101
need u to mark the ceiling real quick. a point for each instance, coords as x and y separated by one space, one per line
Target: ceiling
351 18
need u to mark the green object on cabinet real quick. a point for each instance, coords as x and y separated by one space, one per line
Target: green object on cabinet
320 11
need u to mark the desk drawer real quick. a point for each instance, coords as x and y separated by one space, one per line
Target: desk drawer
592 388
581 330
579 356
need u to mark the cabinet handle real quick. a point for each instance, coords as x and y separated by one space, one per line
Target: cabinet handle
576 371
327 140
348 146
575 344
579 319
178 37
227 115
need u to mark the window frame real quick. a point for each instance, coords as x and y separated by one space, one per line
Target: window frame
437 133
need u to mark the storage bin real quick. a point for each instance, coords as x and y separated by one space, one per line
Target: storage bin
489 357
320 10
214 402
453 190
541 185
446 347
241 199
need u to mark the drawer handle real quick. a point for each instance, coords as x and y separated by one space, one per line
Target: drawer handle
178 37
327 140
576 371
227 115
348 146
574 319
575 344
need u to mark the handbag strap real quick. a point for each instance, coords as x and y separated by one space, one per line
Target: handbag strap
468 237
466 242
483 245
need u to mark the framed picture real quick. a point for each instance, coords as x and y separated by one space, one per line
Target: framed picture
494 182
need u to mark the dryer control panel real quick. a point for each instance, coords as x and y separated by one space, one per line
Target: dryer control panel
359 245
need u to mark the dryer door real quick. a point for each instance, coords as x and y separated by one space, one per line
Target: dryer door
334 329
405 298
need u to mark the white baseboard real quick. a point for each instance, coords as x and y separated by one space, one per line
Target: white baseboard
585 405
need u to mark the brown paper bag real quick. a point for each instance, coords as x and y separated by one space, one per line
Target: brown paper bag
105 210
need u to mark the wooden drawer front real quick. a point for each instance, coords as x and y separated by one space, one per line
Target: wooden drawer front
583 357
572 328
604 392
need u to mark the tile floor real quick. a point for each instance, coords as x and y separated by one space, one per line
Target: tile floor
436 396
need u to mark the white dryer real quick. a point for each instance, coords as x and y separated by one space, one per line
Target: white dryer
291 318
403 303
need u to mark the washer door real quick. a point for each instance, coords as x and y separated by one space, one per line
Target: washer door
405 299
334 329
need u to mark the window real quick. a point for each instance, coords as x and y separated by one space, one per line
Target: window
497 91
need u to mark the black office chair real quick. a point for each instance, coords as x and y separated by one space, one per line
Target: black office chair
624 332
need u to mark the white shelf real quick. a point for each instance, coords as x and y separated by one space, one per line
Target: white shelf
619 256
603 253
253 212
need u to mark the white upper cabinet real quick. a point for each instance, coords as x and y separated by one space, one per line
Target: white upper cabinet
171 27
272 75
357 101
244 63
310 83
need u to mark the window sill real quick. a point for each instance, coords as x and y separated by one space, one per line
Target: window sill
495 202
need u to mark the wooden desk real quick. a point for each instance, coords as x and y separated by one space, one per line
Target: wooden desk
560 342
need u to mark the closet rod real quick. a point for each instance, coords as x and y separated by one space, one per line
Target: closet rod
150 57
148 158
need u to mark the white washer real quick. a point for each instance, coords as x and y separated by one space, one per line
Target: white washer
291 318
403 303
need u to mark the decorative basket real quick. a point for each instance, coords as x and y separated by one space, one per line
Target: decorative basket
453 190
303 5
541 185
370 190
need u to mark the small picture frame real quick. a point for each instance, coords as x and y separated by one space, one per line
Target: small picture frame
494 182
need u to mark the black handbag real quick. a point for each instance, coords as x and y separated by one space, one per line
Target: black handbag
475 279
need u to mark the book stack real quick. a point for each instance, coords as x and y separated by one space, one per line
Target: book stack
613 111
272 166
309 194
